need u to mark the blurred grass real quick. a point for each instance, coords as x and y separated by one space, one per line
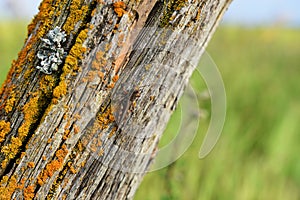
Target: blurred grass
257 154
12 36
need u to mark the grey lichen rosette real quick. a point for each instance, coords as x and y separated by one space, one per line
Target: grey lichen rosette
51 53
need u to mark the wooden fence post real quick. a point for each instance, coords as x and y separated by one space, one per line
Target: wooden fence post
84 105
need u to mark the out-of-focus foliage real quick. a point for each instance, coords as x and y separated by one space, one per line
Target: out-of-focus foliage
257 156
12 35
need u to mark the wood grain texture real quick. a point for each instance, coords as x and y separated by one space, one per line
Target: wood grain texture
90 130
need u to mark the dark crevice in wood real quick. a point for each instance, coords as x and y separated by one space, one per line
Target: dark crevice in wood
31 131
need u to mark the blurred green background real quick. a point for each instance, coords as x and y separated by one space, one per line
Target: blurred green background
257 154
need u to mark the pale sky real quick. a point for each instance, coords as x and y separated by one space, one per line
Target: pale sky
242 12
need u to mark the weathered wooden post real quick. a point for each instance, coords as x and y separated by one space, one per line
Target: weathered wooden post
84 105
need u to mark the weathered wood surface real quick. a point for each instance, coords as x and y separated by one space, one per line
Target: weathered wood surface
90 129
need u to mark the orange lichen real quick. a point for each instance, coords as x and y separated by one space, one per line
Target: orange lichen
4 129
91 75
72 169
112 133
95 65
94 12
119 8
115 78
104 119
66 135
28 192
30 164
76 129
83 163
121 40
111 85
53 166
77 116
100 56
198 14
23 154
100 74
101 152
107 46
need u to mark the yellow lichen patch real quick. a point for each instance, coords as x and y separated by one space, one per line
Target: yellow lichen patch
60 90
9 104
71 65
10 150
4 129
6 90
31 111
76 53
80 146
94 12
77 116
47 84
53 166
49 10
119 8
83 163
30 116
28 192
77 14
42 22
7 187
